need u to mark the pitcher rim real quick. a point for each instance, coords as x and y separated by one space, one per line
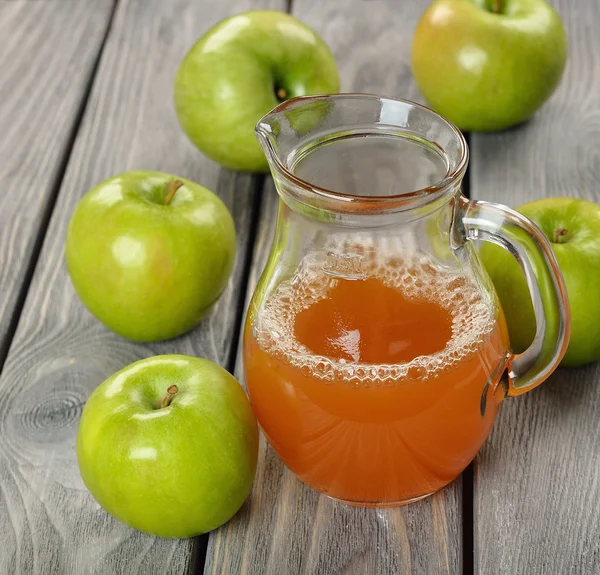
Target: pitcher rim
396 201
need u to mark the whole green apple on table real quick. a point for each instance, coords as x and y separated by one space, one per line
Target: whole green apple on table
239 71
149 253
487 65
168 445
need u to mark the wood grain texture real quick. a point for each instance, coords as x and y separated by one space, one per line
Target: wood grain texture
286 527
60 353
44 79
537 480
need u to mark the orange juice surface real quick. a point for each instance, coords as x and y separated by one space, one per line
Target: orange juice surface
376 391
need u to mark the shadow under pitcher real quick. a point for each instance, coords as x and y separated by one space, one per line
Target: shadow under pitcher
375 345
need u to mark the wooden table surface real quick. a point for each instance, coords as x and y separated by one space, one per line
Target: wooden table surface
86 93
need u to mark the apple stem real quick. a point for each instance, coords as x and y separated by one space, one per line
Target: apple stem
168 397
170 191
282 94
497 6
559 235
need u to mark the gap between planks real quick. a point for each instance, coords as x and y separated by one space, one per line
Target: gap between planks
468 528
201 545
259 187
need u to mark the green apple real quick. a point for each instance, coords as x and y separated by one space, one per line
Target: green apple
487 65
168 445
240 70
149 253
573 228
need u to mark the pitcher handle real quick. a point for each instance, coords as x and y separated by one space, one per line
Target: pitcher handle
529 246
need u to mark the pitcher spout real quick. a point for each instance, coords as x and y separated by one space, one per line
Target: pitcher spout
266 131
284 130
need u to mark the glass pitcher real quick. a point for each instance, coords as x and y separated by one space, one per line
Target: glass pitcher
375 345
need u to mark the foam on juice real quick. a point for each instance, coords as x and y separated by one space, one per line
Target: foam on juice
416 276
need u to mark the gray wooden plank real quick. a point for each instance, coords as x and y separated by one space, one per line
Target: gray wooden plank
44 79
537 480
60 353
286 527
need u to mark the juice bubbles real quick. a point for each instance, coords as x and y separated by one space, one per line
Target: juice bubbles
378 390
